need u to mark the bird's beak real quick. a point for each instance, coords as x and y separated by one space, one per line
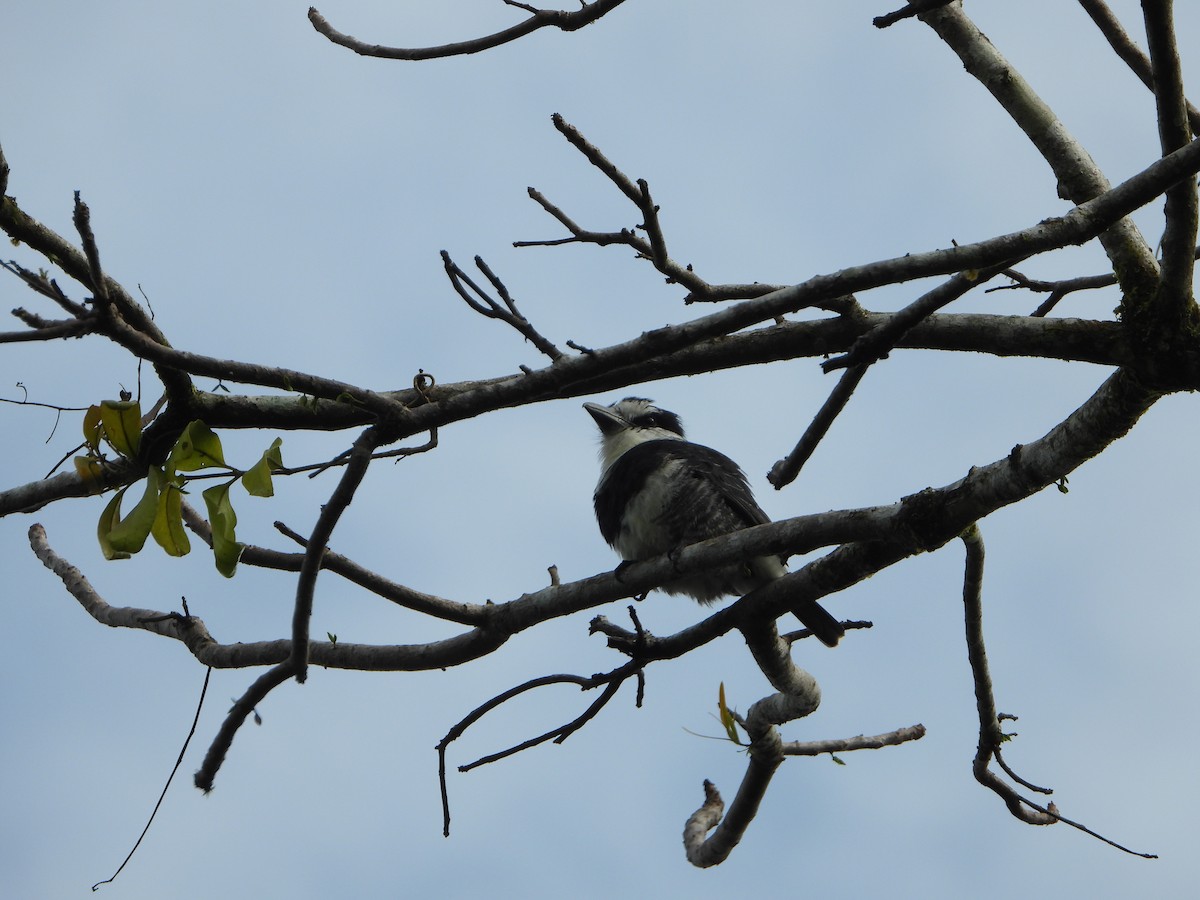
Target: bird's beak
608 419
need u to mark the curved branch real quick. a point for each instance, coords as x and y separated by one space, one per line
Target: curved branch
798 696
766 755
538 18
990 735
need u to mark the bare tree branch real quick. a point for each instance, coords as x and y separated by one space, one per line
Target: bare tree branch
47 331
876 344
914 8
1127 50
798 696
538 18
1175 305
236 717
990 735
847 745
784 471
490 308
1056 289
1152 357
331 512
1079 178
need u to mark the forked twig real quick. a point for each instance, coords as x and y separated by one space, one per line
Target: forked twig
486 305
990 734
611 681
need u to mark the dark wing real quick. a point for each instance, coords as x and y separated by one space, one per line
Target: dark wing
630 471
709 497
717 470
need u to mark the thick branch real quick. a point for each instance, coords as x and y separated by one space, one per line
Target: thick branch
785 470
234 720
1128 51
872 540
331 512
1079 178
1174 305
595 370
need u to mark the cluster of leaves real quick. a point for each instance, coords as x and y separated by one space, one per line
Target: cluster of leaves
118 423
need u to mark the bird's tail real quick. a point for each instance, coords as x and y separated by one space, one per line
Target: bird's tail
819 621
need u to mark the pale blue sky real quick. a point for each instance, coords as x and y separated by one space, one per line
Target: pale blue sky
280 199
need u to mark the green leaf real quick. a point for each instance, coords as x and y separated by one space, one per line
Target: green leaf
91 428
197 448
122 421
727 719
257 480
109 520
226 549
128 535
168 528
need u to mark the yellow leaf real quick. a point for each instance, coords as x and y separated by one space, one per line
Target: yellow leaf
168 528
91 428
122 421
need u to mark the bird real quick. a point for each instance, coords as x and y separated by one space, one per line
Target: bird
658 492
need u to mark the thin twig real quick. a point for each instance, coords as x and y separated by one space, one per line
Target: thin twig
1056 289
539 18
612 682
472 294
47 287
914 8
653 247
178 762
83 224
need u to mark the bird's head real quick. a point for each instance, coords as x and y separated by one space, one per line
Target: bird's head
629 422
